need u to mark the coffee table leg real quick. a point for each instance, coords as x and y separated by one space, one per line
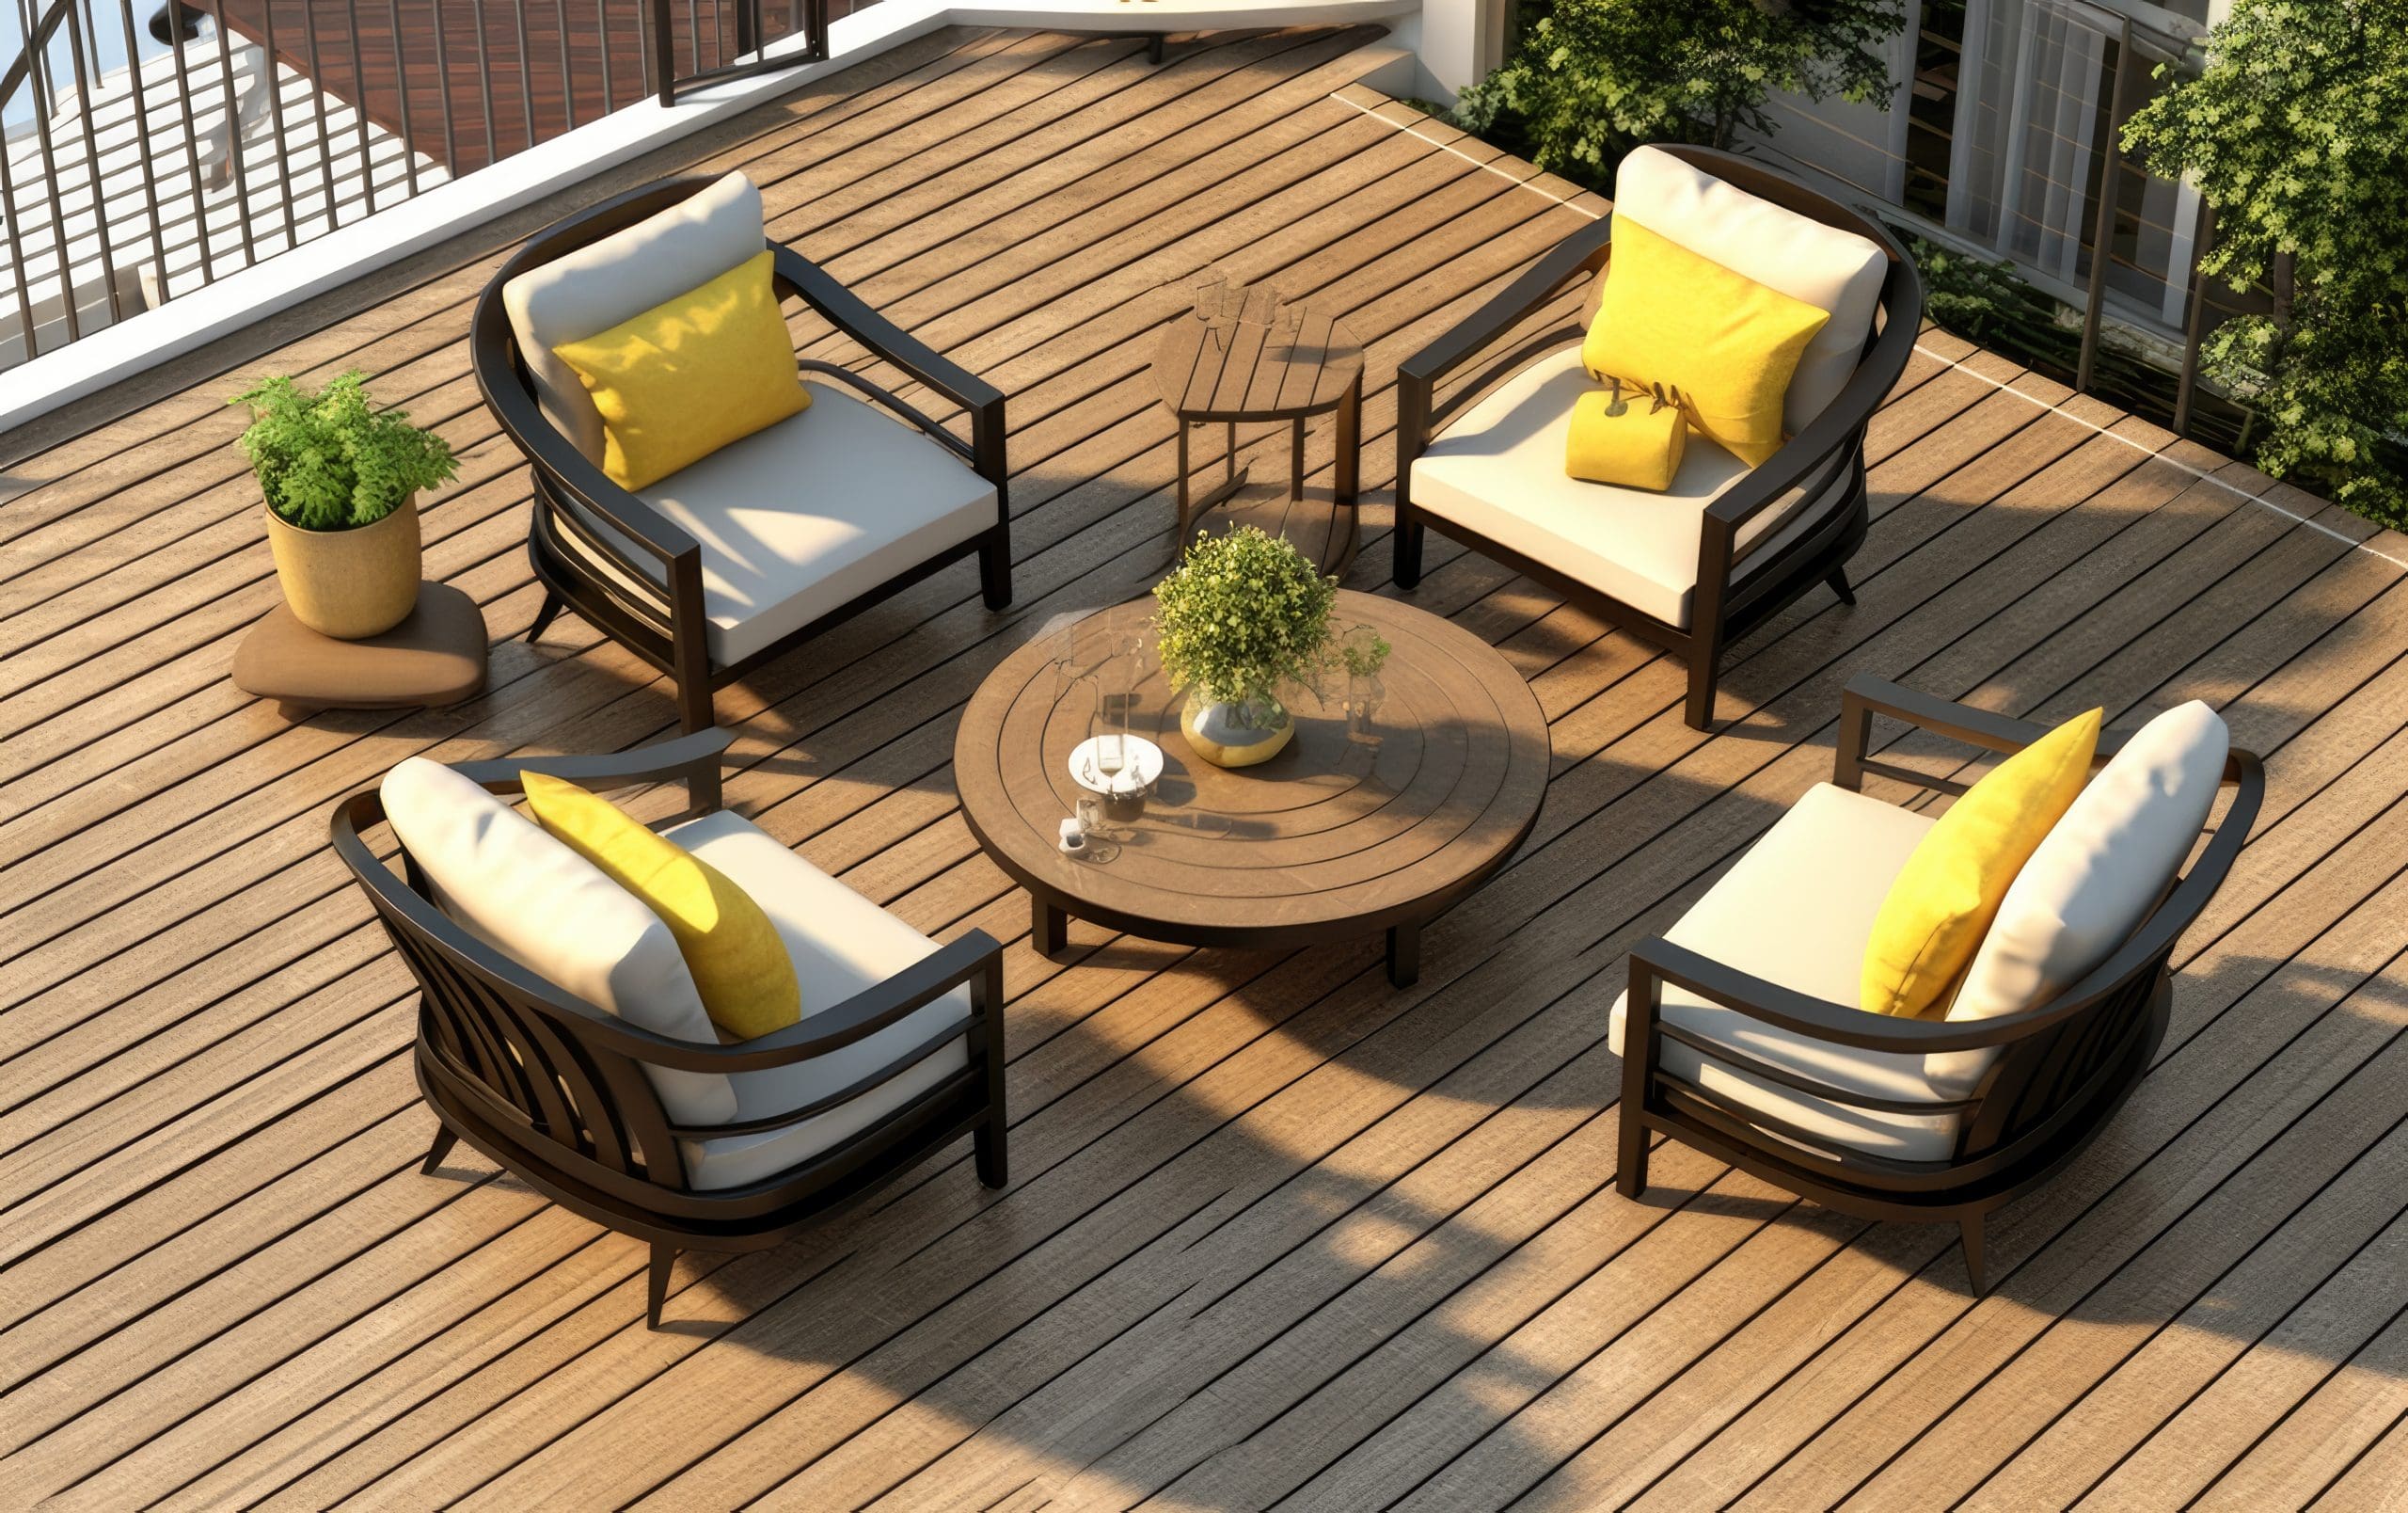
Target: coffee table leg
1183 482
1296 464
1049 928
1404 955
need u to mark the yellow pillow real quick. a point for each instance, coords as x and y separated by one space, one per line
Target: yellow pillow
740 967
1639 447
1727 344
690 374
1943 901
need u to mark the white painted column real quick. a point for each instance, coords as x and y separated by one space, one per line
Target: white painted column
1460 42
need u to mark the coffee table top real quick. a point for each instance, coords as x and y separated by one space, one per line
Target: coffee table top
1329 838
1256 373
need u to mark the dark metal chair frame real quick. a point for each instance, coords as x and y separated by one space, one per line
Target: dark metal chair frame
552 1089
2064 1068
1733 593
666 626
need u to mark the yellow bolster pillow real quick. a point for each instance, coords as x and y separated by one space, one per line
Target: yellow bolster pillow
1940 905
692 374
1639 448
1725 342
739 965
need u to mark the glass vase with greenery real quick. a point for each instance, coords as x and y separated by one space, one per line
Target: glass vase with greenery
329 460
1243 614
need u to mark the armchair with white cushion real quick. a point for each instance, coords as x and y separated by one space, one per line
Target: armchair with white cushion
561 1033
1741 1032
1695 566
713 569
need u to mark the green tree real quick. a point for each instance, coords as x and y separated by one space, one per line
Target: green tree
1590 79
2296 130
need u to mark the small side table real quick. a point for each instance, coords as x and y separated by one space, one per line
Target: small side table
435 657
1250 373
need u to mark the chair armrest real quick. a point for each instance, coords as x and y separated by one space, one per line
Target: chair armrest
685 759
1657 960
1417 374
850 314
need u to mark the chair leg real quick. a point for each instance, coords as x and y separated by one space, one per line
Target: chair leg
694 711
550 610
444 1140
1839 585
664 1260
992 1143
995 571
1630 1176
1406 568
1970 1227
1703 677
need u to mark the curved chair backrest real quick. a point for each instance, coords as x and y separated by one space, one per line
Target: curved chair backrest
548 1081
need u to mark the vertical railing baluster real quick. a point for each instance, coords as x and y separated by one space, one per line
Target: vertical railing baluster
443 91
568 70
526 70
9 225
484 87
664 53
234 140
85 82
402 88
602 33
359 106
46 100
315 72
276 123
142 134
176 32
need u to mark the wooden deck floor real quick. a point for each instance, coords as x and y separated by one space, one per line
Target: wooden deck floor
1279 1233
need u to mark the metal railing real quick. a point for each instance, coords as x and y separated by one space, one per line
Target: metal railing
144 157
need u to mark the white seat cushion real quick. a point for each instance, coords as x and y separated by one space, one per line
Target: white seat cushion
625 274
810 514
2102 867
554 912
1498 470
1797 910
841 942
1829 268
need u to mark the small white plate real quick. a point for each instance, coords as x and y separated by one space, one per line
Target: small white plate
1141 754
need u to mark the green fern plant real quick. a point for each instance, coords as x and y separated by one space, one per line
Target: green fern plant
329 460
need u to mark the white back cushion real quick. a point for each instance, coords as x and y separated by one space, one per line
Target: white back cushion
2102 867
624 275
555 914
1829 268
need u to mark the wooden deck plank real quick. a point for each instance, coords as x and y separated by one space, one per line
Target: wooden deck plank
1276 1229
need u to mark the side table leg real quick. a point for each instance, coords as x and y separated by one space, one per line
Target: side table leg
1404 955
1296 465
1350 443
1049 929
1183 482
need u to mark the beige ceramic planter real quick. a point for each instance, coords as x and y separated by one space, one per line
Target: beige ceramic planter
349 584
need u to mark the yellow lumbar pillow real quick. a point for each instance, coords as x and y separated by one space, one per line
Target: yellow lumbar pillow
690 374
1933 919
1726 343
1625 438
740 967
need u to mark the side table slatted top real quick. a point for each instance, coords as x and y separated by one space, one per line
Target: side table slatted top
1340 834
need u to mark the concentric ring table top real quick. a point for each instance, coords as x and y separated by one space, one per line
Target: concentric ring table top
1332 836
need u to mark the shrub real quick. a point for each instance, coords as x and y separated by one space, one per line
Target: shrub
2295 131
328 462
1244 612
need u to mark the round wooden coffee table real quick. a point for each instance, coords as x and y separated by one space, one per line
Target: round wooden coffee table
1338 835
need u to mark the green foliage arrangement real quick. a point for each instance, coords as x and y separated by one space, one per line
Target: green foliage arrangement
328 461
2296 130
1592 79
1243 613
1363 652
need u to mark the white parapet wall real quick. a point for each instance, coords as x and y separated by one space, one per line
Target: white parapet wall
81 368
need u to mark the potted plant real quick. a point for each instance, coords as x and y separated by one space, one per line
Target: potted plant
1243 614
341 480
